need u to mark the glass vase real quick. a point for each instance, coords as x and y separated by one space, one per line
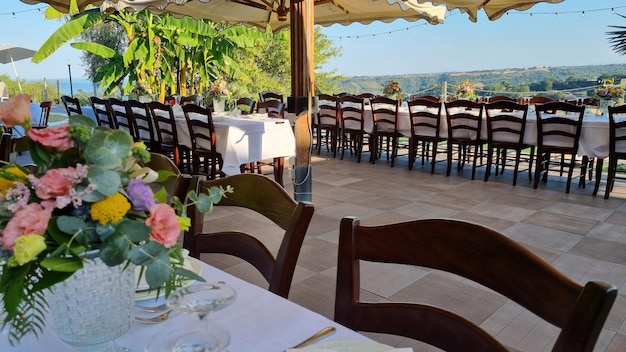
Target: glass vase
218 105
94 306
603 106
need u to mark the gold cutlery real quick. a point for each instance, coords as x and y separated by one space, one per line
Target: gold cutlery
329 330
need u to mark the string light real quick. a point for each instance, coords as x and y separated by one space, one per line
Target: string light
14 15
506 15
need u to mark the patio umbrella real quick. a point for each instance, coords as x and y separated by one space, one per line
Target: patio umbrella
11 53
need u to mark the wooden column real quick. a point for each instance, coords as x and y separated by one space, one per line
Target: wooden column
302 85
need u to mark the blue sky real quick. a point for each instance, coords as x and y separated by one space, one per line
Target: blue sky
567 39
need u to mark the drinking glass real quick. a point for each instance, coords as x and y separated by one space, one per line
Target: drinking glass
199 299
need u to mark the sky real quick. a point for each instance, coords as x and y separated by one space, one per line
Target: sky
400 47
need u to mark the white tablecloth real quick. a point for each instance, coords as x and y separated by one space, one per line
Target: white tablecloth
258 321
246 139
594 137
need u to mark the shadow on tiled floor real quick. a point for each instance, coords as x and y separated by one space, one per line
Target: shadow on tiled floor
582 235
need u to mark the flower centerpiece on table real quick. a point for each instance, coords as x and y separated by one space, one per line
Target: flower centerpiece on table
219 90
608 91
89 193
392 90
465 90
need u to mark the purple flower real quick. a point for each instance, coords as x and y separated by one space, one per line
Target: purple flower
140 195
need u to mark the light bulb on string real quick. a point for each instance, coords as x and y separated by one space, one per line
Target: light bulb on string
531 15
38 9
612 11
555 14
14 15
390 33
583 14
507 14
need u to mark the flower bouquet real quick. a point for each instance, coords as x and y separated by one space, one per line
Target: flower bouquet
219 93
609 91
392 90
465 90
88 191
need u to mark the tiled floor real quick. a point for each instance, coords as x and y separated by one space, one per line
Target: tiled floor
582 235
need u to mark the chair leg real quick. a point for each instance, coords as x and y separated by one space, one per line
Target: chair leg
433 162
449 159
599 165
412 153
538 169
489 162
610 177
518 154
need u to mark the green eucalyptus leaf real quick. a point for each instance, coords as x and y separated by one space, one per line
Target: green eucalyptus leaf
134 230
188 274
114 250
158 272
70 224
92 196
104 231
108 149
62 264
204 203
147 253
107 181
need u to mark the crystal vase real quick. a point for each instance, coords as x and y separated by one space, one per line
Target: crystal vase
94 306
219 105
603 106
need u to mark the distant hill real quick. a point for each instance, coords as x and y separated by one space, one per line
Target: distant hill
511 80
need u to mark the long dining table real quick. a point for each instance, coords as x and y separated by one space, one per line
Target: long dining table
594 138
258 321
242 139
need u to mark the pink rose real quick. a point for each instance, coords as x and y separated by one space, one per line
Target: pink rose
164 223
55 183
56 138
30 220
16 111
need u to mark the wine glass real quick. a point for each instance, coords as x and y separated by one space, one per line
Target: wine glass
208 336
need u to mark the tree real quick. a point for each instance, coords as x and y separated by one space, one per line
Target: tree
109 34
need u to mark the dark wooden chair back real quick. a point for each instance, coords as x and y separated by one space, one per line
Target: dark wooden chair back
326 122
165 130
425 115
539 100
266 197
72 105
273 108
44 115
352 122
617 144
264 96
143 127
500 98
119 112
191 99
247 104
103 118
473 252
427 97
205 158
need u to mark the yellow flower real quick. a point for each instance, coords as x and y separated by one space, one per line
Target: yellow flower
26 249
184 222
110 209
8 176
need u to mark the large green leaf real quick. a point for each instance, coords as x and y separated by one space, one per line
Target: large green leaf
62 264
114 249
108 149
96 49
135 231
69 30
147 253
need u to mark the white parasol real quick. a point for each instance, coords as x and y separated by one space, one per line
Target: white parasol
11 53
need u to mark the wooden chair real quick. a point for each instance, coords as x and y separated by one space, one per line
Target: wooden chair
539 100
425 115
267 198
72 105
506 125
591 102
191 99
143 127
464 119
166 134
500 98
205 159
266 95
327 123
427 97
6 147
246 105
385 134
559 126
352 122
118 112
476 253
103 118
617 145
273 108
44 115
